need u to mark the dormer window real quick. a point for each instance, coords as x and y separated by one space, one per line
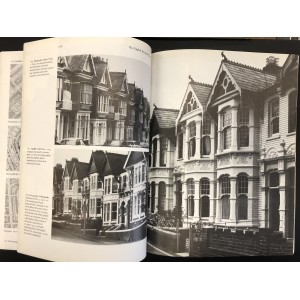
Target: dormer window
227 128
244 127
206 130
192 139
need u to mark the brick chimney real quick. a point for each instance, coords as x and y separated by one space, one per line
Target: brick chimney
272 65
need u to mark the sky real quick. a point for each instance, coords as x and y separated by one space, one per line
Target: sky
61 154
136 71
171 69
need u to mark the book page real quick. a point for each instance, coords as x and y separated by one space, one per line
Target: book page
85 149
11 67
222 171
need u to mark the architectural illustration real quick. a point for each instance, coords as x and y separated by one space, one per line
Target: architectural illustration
11 203
15 91
13 148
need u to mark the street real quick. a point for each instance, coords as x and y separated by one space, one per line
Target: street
66 236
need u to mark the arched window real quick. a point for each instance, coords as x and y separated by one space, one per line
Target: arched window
191 196
192 139
274 117
225 194
163 151
161 195
292 111
226 128
244 127
242 200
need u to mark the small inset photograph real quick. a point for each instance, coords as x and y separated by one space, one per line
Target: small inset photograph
15 91
99 197
13 148
11 203
102 100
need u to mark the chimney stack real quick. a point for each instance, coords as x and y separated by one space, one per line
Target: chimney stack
272 65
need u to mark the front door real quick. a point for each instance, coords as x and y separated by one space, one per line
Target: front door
274 201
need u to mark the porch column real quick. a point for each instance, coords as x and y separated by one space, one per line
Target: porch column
155 197
251 128
197 207
169 161
282 203
95 133
184 194
211 200
212 140
250 199
232 215
76 127
187 136
220 148
198 139
157 153
218 203
61 131
234 128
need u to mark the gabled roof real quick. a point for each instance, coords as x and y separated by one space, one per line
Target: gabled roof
58 173
81 170
101 67
166 117
76 62
68 167
98 158
117 80
249 78
202 91
133 158
116 163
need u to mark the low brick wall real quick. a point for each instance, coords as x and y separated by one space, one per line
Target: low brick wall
247 243
128 235
167 240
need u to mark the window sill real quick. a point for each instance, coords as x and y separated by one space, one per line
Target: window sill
273 137
291 133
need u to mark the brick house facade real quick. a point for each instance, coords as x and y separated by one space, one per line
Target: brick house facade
97 105
232 144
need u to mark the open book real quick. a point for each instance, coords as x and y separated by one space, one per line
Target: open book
189 151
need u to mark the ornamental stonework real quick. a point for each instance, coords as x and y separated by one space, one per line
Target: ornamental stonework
224 161
197 165
291 150
272 153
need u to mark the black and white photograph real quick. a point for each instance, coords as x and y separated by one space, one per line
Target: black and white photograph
99 196
102 100
222 154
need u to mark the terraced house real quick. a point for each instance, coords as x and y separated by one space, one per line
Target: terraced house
97 105
111 186
227 157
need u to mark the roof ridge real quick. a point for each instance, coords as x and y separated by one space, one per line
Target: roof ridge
201 83
247 66
169 109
